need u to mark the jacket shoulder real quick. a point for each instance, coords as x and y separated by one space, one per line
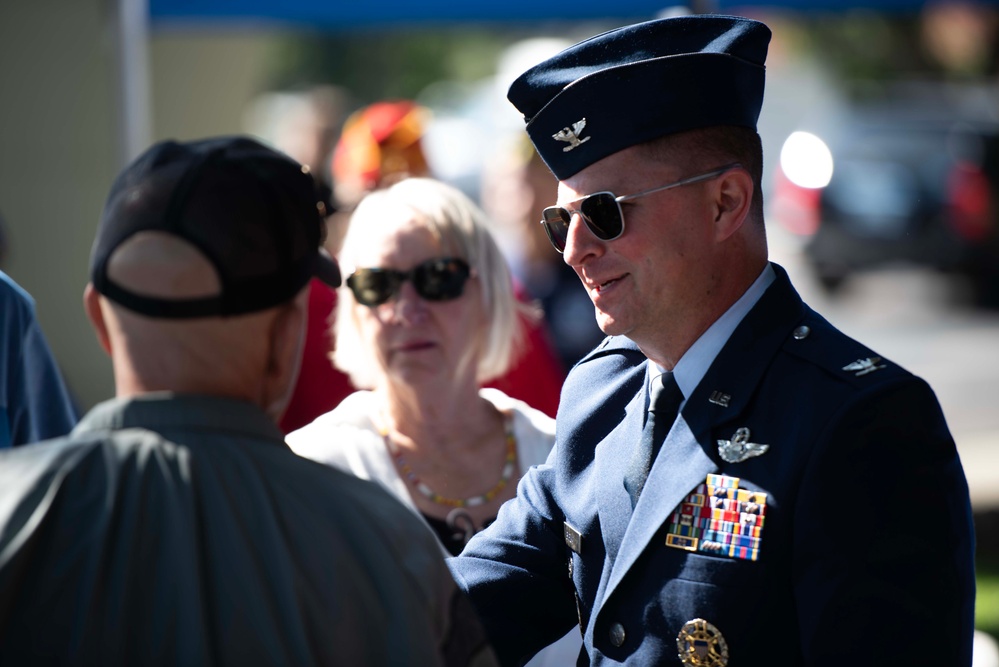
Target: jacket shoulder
599 386
612 352
816 342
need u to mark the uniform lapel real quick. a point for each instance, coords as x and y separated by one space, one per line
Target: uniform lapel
689 454
682 464
613 456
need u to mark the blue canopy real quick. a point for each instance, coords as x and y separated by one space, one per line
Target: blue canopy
333 14
352 13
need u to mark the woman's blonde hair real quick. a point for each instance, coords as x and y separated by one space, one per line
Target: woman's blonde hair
461 227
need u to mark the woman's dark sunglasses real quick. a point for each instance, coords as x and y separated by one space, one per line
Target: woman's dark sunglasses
602 212
435 280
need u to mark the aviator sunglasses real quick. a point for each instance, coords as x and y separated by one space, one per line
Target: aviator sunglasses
602 212
439 279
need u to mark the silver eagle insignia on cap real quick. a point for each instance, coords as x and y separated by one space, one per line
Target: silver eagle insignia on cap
739 448
571 134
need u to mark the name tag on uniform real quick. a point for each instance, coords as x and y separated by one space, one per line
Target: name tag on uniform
573 539
720 519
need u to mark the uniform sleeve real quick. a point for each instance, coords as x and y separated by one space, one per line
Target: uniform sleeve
515 573
883 567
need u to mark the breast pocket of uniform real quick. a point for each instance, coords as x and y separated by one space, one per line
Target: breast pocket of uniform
721 571
735 605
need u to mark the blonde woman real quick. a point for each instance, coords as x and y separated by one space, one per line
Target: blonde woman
427 315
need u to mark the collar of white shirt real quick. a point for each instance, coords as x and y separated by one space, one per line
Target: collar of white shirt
695 361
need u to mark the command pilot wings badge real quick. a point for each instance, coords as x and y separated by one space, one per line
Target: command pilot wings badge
739 448
572 135
865 366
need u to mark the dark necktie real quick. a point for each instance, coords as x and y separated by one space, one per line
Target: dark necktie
664 403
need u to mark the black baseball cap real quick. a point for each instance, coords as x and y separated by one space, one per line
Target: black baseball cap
256 214
640 82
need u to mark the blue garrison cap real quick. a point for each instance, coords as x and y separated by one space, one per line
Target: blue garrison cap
643 81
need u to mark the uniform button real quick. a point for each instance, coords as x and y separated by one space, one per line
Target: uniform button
617 635
801 332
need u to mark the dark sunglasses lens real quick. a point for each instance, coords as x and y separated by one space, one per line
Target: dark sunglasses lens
603 215
555 220
441 279
372 287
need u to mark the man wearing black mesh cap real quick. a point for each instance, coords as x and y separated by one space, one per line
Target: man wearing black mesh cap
173 526
734 481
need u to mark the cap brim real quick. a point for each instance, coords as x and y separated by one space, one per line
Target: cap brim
327 269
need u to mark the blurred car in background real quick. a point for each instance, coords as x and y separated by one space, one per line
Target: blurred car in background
909 178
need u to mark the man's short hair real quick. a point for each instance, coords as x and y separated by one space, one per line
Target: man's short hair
707 148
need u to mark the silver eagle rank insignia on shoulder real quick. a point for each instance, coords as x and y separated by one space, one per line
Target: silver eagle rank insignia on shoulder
864 366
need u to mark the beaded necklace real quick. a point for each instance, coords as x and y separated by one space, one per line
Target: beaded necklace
508 467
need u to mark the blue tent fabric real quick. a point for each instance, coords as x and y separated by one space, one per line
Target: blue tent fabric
333 14
348 13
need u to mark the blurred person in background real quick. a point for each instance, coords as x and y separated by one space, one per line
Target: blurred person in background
427 317
379 145
34 401
173 526
516 185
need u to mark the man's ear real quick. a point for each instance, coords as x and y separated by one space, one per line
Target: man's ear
733 199
287 338
92 304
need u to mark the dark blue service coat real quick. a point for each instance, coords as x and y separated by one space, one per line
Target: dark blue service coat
865 555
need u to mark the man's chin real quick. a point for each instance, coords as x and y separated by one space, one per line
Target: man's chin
609 325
